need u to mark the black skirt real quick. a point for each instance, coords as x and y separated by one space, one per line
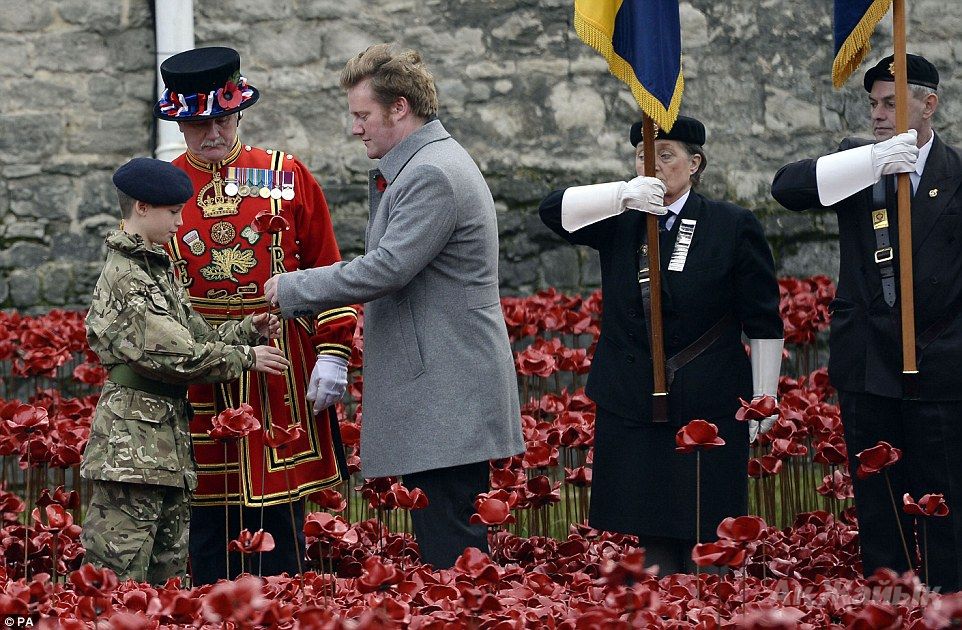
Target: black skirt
642 486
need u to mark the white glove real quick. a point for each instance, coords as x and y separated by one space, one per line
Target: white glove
898 154
843 174
328 382
583 205
766 366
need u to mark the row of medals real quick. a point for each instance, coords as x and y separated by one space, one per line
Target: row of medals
231 189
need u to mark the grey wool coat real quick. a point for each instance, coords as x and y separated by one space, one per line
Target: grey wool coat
440 387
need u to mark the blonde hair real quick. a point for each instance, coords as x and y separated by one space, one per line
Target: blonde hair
394 74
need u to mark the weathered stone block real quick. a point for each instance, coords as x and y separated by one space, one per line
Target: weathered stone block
15 56
562 268
72 51
55 283
50 197
30 137
96 134
24 288
25 17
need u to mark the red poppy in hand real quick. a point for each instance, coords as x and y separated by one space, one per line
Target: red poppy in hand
880 456
234 423
757 409
248 543
697 434
928 505
270 223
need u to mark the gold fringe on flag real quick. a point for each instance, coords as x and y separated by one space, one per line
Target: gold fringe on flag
599 37
857 44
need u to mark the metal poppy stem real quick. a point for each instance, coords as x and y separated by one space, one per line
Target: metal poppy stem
226 519
898 521
698 518
26 530
925 543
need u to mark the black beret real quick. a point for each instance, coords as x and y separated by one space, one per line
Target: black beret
153 181
920 72
685 129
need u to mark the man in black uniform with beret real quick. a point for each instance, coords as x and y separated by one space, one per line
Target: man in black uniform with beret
718 282
865 365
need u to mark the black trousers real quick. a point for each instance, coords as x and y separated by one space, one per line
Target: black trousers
930 436
442 528
208 541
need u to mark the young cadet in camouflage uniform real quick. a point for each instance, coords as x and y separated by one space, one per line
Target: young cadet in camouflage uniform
145 332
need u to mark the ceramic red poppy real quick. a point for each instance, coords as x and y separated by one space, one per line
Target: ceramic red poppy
928 505
872 460
280 436
491 512
234 423
248 543
697 434
757 409
89 580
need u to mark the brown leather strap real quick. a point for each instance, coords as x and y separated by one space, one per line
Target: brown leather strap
695 348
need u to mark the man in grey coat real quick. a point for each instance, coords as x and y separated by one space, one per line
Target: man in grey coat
440 391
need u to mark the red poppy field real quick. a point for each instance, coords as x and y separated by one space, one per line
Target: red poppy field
792 563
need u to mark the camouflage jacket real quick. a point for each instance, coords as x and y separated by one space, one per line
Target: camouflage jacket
140 316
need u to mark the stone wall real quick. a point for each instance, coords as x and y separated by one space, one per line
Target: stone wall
534 106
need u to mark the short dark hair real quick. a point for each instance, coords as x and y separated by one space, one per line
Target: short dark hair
695 149
126 204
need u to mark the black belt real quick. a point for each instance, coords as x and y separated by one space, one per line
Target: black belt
123 375
883 190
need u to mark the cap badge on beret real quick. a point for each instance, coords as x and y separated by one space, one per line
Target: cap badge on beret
203 83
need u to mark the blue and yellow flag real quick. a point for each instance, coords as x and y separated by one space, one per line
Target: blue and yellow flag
855 21
641 39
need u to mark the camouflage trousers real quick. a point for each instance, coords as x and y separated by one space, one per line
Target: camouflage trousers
138 530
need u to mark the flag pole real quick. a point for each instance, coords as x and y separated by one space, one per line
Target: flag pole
659 401
910 370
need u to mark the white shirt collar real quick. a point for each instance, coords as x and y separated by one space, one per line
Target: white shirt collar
924 155
678 204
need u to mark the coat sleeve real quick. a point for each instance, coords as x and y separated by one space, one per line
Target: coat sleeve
333 328
795 185
594 235
756 288
139 330
422 220
233 332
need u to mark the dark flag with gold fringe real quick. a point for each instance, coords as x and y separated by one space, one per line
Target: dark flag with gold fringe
855 21
641 40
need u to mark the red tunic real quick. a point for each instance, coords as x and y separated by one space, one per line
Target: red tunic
224 253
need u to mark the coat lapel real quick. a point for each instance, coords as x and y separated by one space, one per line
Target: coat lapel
691 210
927 209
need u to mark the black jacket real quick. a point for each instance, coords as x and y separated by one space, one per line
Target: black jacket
729 270
865 340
